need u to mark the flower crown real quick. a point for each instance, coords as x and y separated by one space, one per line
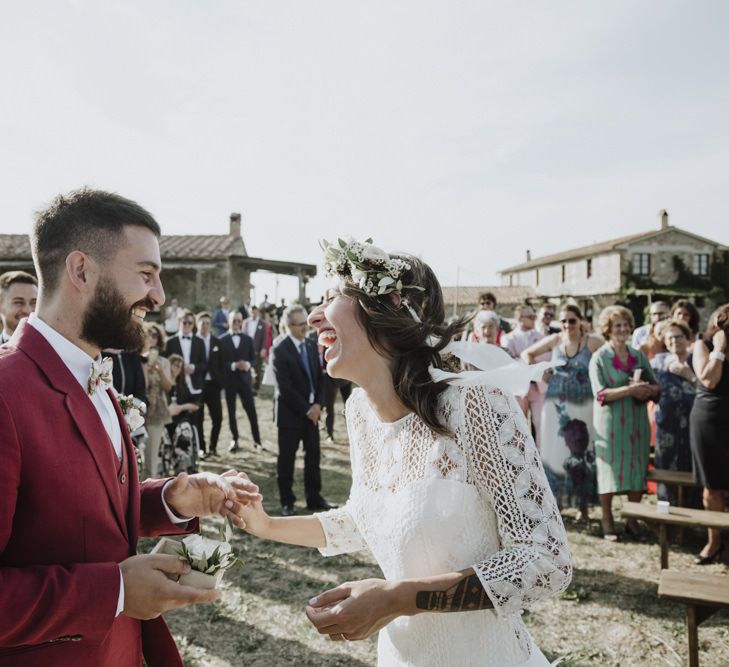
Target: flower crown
369 267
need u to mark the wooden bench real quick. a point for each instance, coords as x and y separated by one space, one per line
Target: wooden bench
677 478
677 516
703 594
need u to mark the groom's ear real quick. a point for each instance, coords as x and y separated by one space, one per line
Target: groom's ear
82 271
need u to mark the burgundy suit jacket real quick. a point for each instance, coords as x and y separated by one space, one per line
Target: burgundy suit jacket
63 529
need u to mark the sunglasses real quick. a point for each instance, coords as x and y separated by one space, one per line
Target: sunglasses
569 320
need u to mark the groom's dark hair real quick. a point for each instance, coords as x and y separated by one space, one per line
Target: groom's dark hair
91 221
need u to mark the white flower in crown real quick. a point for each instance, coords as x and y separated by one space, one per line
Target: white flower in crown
370 268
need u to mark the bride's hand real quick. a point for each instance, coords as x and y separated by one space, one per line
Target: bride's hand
246 511
354 610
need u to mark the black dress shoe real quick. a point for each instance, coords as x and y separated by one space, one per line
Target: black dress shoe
708 560
234 446
319 504
287 510
258 447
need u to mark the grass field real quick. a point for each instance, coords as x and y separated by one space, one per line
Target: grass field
610 615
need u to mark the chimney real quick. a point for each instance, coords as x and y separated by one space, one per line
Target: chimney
663 215
529 256
235 225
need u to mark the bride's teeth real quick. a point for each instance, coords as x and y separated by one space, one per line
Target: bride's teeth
327 338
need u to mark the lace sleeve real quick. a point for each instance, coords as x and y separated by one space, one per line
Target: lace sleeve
342 534
534 560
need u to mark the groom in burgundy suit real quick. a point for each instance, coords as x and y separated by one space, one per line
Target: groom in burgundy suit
72 589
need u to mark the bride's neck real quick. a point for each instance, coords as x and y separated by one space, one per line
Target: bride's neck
383 398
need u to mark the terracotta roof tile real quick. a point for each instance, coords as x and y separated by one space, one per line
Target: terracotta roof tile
504 295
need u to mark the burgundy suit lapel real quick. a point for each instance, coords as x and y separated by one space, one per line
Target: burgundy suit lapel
80 408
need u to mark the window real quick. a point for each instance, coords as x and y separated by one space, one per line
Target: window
701 265
564 272
536 277
641 264
589 268
511 280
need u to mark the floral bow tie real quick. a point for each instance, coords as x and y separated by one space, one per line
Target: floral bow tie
100 375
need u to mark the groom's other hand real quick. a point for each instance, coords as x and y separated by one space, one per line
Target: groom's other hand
148 592
205 494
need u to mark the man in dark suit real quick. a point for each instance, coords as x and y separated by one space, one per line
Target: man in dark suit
238 359
255 327
74 592
299 397
212 383
192 350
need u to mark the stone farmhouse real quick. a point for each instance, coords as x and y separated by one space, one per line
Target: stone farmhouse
664 263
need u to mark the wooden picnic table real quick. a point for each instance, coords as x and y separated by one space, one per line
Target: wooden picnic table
703 594
677 516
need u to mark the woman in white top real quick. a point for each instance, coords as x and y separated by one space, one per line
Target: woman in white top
448 492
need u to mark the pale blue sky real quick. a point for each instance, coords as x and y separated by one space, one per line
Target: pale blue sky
464 132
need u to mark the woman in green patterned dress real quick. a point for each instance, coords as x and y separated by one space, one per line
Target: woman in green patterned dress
622 429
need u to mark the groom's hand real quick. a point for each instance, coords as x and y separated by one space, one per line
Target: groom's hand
148 592
205 494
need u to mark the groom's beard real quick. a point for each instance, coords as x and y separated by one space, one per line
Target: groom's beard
108 323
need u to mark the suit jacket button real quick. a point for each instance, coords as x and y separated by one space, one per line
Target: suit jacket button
123 478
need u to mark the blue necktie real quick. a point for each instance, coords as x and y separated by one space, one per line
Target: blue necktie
307 368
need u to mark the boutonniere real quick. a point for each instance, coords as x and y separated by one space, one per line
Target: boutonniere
133 410
215 349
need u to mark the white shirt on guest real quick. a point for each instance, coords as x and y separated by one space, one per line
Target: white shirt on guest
252 327
519 340
206 340
186 346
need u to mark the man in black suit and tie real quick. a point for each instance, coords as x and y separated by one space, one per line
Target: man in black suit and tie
213 381
238 359
192 350
299 397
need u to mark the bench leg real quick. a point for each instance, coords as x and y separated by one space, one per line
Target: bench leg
693 636
663 538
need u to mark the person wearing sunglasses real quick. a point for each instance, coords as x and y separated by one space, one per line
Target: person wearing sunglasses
567 411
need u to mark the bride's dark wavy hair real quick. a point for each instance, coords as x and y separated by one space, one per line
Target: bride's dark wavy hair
395 334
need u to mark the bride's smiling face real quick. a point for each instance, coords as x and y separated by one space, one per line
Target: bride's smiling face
342 334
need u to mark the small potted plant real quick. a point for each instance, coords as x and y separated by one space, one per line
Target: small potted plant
208 558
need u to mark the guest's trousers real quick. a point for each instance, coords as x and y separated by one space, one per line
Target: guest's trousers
211 400
244 391
288 444
151 449
331 385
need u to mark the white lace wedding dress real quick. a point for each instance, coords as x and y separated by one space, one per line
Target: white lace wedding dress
425 504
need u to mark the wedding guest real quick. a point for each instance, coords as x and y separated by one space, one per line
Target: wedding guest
238 359
622 429
299 399
710 423
658 312
18 295
74 590
192 350
545 320
159 382
525 335
213 383
675 376
182 405
566 433
654 343
127 373
486 327
220 316
448 492
172 317
487 301
684 310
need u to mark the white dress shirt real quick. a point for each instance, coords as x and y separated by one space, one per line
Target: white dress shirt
186 346
79 364
252 327
206 340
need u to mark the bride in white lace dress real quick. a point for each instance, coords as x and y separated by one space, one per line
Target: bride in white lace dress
448 492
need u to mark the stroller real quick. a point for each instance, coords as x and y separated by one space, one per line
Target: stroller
180 450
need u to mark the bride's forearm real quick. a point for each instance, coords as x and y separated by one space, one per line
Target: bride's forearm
304 531
455 591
